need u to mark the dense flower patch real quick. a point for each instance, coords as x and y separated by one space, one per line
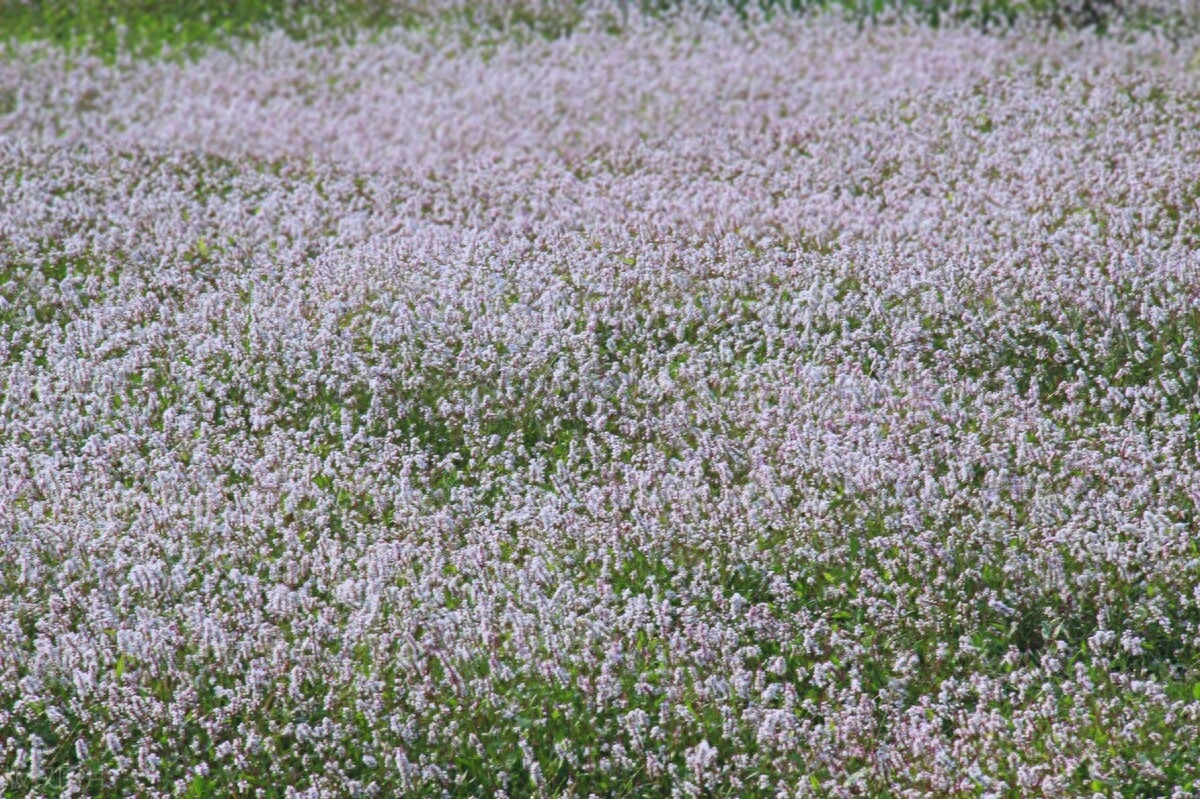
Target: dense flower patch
699 409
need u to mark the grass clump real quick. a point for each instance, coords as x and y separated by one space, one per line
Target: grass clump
152 27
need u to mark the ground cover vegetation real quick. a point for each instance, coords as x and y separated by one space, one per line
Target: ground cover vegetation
115 28
705 406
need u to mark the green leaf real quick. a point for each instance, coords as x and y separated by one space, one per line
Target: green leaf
197 786
120 668
1196 691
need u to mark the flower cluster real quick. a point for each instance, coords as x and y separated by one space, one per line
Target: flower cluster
697 408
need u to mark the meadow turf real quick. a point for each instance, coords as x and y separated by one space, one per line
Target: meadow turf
523 400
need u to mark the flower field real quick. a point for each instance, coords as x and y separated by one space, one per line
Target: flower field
686 406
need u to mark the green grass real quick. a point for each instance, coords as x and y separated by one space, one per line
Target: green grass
151 28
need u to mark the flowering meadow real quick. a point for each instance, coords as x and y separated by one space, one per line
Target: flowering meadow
686 406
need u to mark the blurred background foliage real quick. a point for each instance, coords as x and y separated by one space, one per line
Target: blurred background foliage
158 27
